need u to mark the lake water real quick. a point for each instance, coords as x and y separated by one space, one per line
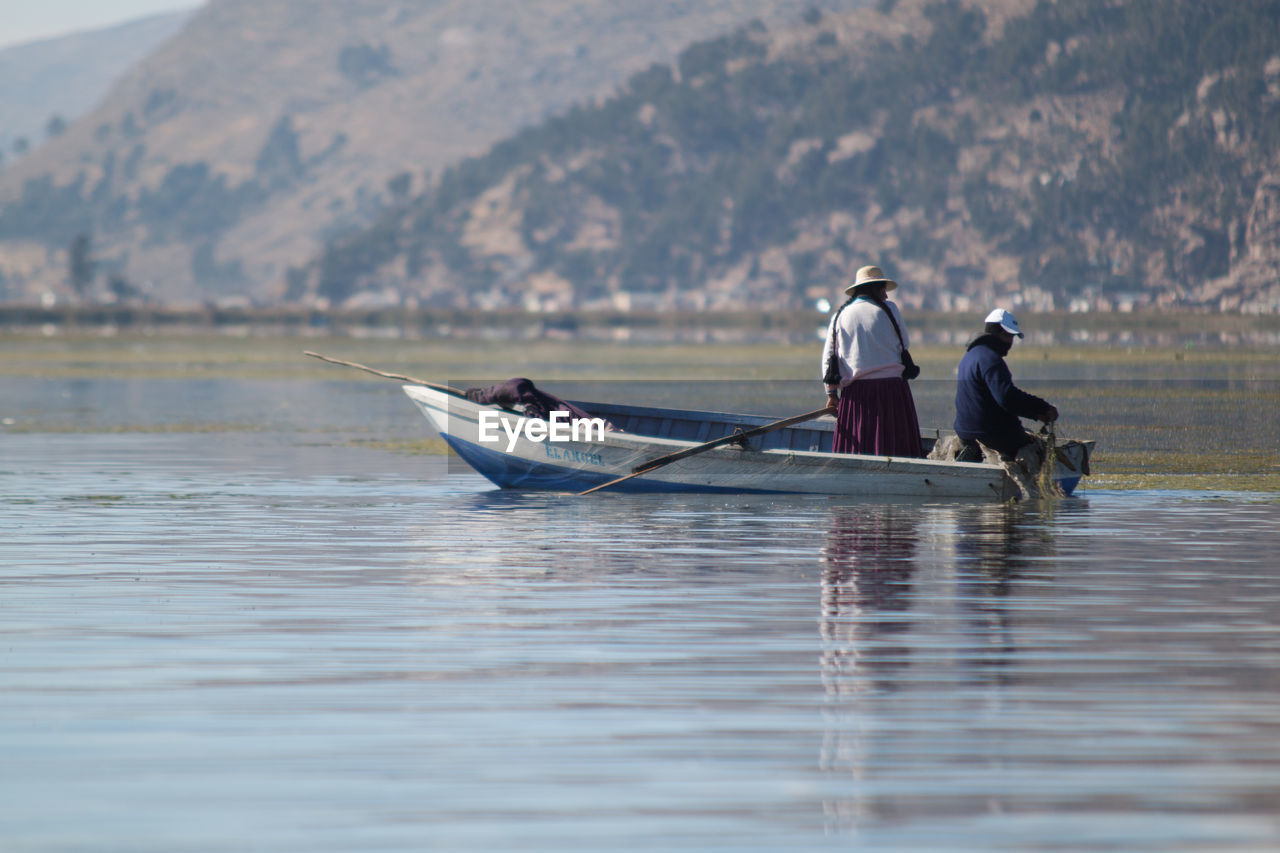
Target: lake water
234 622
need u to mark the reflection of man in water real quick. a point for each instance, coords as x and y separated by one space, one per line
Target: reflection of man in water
917 633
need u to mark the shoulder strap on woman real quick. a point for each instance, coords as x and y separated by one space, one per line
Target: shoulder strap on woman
910 369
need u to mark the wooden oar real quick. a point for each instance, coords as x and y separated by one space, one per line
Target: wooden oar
397 376
694 451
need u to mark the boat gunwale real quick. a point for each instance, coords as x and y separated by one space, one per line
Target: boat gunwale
641 441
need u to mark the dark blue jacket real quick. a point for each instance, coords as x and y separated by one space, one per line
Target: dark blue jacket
988 404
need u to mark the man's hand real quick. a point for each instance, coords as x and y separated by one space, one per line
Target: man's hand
1049 415
833 402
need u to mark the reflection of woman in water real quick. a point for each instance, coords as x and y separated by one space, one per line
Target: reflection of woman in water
868 562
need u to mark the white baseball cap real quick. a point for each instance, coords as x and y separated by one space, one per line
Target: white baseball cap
1006 321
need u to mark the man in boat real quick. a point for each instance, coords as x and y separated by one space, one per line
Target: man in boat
988 404
865 368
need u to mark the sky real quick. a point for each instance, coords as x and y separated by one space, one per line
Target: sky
24 21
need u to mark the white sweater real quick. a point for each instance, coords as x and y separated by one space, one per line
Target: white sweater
866 343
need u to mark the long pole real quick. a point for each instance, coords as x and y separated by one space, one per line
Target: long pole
702 448
398 376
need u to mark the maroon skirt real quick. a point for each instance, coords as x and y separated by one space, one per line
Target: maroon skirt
878 417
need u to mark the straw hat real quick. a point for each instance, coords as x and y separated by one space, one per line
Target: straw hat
870 275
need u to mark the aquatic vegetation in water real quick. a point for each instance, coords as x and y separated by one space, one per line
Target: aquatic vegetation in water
418 447
1163 417
100 429
1242 470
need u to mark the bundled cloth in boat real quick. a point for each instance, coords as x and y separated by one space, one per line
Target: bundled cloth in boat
522 395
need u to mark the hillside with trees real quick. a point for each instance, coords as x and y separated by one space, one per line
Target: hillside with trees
1054 154
48 83
265 127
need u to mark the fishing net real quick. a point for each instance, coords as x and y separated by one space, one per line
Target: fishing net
1048 456
1032 469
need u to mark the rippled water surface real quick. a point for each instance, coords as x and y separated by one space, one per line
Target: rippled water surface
284 640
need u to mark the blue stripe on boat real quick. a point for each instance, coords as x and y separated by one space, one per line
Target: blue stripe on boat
512 472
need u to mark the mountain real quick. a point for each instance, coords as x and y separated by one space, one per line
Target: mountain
265 127
1104 154
50 82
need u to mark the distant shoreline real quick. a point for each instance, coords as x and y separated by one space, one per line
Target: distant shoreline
926 326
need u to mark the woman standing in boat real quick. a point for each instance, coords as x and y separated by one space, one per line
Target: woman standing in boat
865 367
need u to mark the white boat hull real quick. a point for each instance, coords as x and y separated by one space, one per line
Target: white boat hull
569 465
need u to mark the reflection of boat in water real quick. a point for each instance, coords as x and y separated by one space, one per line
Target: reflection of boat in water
794 459
921 614
933 630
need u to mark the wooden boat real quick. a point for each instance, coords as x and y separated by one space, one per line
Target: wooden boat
796 459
